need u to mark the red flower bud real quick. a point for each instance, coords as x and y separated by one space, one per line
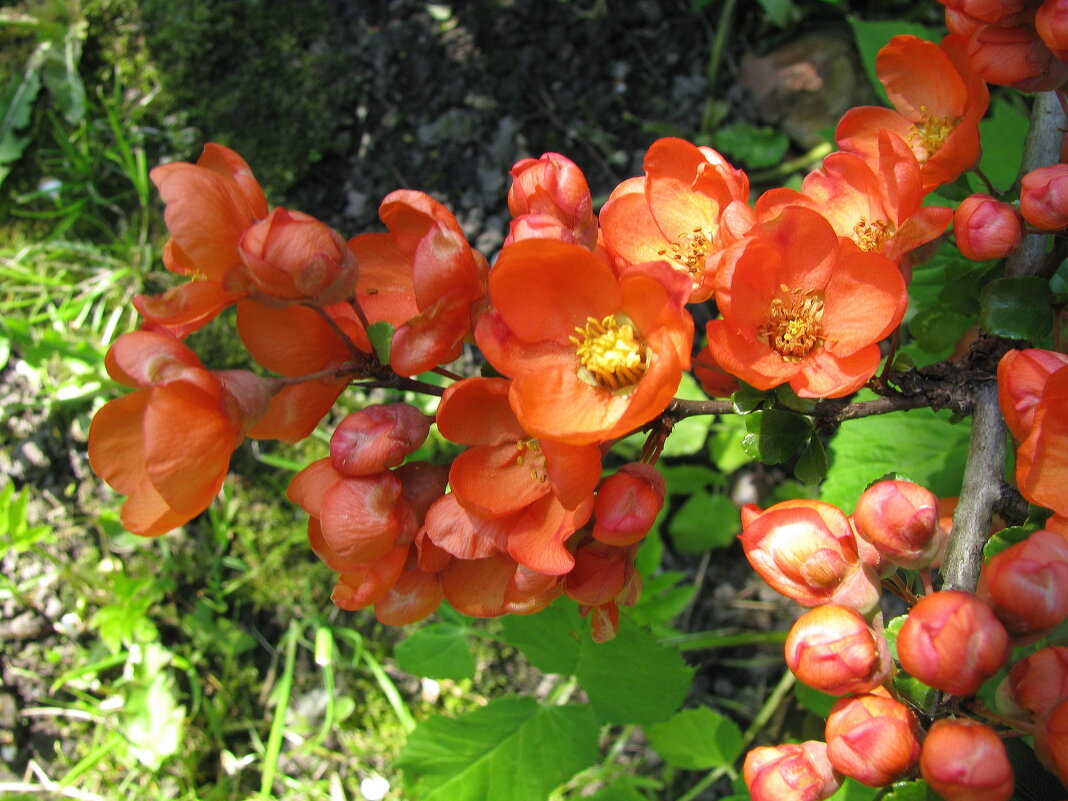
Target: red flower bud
1027 585
995 11
1051 740
832 649
1022 375
901 520
377 438
790 772
1044 197
291 257
554 186
986 228
872 738
806 550
1014 56
1036 683
1051 22
627 504
964 760
952 641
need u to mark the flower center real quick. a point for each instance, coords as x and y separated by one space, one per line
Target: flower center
613 356
529 450
931 132
690 251
794 325
870 236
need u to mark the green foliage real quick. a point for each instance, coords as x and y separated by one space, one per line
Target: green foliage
512 748
1017 308
697 739
751 145
773 435
1003 132
704 521
863 450
437 651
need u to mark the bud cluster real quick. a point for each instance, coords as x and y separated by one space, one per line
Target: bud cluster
879 730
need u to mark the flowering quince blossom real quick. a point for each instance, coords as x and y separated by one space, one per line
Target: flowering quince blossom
877 204
872 738
964 760
423 278
167 445
790 772
688 207
801 305
938 102
832 649
603 579
209 207
591 355
1035 684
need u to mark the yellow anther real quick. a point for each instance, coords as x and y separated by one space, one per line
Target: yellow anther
794 325
870 236
611 354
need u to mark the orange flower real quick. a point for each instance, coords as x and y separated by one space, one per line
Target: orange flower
802 306
210 205
688 207
877 204
938 102
1042 458
423 278
167 446
592 355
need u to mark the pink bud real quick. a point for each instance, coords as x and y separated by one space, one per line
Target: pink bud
901 520
790 772
1044 197
1027 585
554 186
1022 375
832 649
872 738
952 641
1037 682
996 11
1051 740
1051 22
986 228
627 504
964 760
1014 56
291 257
806 550
377 438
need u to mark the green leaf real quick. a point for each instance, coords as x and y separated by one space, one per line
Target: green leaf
920 441
437 651
512 748
725 444
774 434
152 717
548 639
381 336
938 329
16 101
1003 132
621 789
60 71
1006 537
748 399
704 521
778 11
811 468
753 146
852 790
633 678
917 790
1017 308
696 739
813 700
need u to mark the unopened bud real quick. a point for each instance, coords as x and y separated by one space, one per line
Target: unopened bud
1051 740
832 649
1051 22
554 186
1044 197
901 520
1027 585
986 228
952 641
964 760
872 738
627 504
1035 683
790 772
377 438
1022 375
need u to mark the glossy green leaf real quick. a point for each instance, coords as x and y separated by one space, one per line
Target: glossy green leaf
917 790
1003 132
548 639
773 435
512 748
696 739
811 468
381 335
704 521
753 146
1006 537
437 651
633 678
1017 308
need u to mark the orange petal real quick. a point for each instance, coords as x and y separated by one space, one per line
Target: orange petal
415 596
463 533
475 411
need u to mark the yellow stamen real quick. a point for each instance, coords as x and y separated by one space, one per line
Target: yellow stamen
870 236
931 132
690 251
612 355
794 325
